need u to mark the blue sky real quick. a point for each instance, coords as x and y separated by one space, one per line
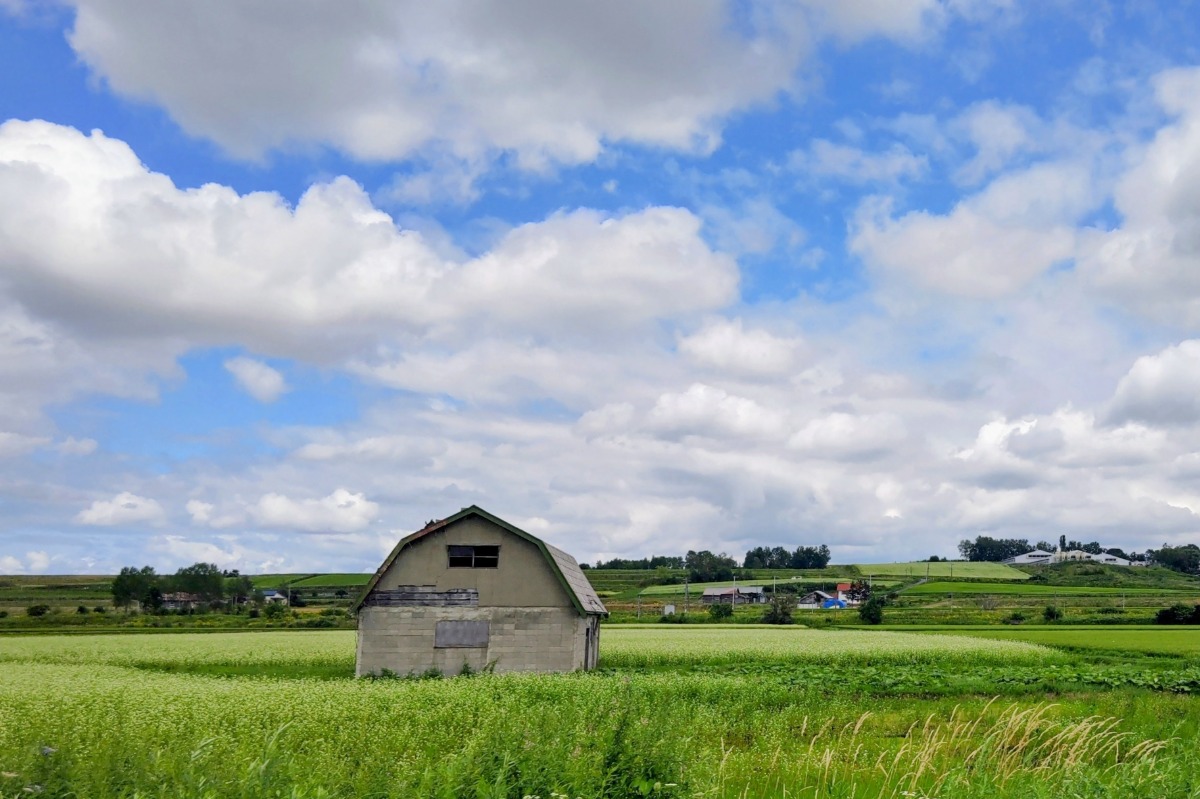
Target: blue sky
280 282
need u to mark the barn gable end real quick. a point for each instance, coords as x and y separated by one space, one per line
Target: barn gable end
471 592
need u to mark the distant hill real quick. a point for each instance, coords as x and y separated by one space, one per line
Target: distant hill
940 569
1101 575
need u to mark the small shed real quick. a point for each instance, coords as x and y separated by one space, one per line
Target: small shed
813 599
473 592
734 595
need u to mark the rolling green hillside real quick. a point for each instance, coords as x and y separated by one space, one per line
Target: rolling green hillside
939 587
950 569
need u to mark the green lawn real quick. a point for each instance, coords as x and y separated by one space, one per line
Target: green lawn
947 587
1149 640
979 571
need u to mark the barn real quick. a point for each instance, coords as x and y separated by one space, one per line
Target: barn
473 592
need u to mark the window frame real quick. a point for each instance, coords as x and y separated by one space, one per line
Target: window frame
478 560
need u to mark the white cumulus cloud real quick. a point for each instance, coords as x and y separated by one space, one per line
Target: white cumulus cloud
258 379
124 508
340 512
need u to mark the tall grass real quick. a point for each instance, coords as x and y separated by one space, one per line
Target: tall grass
108 732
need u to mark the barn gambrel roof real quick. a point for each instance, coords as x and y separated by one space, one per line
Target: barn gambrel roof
569 575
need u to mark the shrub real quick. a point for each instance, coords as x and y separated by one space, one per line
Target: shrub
871 611
1016 617
3 614
82 610
780 610
100 609
1052 613
1178 613
720 611
274 610
37 610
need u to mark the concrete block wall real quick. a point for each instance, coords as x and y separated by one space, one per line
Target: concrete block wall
401 639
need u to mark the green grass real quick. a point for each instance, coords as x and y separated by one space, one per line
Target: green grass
940 587
264 581
697 589
1099 574
1182 641
332 581
239 716
917 570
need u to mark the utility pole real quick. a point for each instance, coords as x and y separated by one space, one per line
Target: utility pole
687 596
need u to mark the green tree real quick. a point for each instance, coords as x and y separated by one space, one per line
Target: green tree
239 589
871 611
133 585
1051 613
203 579
780 610
859 591
274 610
1185 558
987 549
810 557
705 567
720 611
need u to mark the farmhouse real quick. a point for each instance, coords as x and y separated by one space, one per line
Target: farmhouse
181 600
1038 556
734 595
813 599
471 592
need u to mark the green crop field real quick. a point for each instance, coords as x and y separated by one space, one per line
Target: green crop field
696 589
1183 641
333 581
676 711
653 645
981 571
1036 589
277 580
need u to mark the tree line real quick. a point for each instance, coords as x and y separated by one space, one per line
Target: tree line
780 558
1184 558
209 585
706 566
651 563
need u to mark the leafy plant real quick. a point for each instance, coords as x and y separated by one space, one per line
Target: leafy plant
720 611
780 610
871 611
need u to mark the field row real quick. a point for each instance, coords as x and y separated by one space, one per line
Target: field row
1037 589
789 712
621 647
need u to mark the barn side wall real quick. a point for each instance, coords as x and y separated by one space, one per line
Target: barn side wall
401 640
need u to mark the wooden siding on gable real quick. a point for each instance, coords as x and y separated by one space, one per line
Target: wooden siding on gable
422 596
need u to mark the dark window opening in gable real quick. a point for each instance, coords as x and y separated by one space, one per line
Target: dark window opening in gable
473 557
